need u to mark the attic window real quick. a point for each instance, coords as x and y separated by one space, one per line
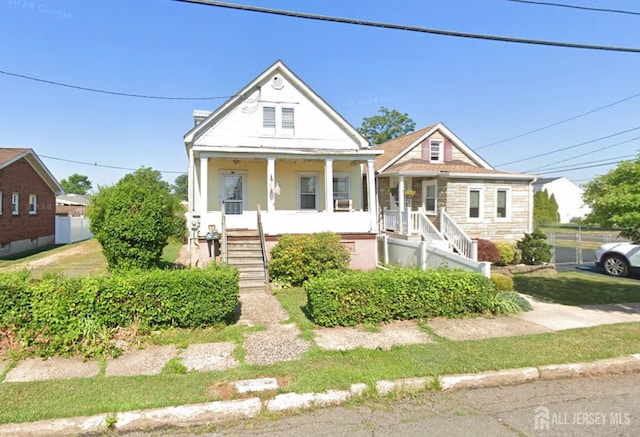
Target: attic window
287 120
269 119
436 150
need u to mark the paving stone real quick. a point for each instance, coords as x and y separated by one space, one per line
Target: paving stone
253 385
209 356
37 369
392 334
148 361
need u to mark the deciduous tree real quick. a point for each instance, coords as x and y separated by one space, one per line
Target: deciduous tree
76 184
386 125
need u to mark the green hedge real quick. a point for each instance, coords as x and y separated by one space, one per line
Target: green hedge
57 314
355 297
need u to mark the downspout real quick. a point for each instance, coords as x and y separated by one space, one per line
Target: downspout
531 204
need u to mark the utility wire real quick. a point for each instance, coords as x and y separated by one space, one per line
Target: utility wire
588 153
570 147
584 8
407 27
582 168
115 93
560 122
95 164
569 167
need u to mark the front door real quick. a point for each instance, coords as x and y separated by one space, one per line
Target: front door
233 193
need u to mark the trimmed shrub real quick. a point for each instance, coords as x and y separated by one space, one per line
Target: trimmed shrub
355 297
487 251
501 282
61 315
296 258
534 248
507 252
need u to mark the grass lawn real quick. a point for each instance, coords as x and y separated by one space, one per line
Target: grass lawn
575 288
320 370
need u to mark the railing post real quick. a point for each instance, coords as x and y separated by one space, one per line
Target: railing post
409 221
385 241
474 250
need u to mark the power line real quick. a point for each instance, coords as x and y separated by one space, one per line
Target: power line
560 122
115 93
588 153
584 8
406 27
95 164
569 147
569 167
582 168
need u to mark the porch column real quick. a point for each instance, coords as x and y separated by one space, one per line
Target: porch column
204 191
401 194
190 183
371 196
271 184
328 185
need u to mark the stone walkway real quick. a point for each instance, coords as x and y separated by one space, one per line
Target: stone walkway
280 341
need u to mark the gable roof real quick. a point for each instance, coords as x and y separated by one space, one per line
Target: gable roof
10 155
398 147
280 68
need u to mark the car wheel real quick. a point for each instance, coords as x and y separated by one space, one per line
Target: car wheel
616 265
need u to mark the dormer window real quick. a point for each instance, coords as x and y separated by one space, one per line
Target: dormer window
436 150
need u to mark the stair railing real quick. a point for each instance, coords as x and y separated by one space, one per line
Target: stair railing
458 239
427 229
263 245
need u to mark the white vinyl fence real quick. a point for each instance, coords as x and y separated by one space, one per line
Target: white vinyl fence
71 229
404 253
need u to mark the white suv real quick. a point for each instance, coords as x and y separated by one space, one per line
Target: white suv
618 259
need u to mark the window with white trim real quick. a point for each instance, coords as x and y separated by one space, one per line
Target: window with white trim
33 204
475 203
15 203
430 193
436 150
341 186
307 189
288 122
269 119
503 200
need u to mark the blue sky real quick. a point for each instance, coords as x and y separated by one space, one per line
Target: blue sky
483 91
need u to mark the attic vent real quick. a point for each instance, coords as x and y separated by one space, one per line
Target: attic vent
277 82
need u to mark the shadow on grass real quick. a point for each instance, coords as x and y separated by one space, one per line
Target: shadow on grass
30 252
579 289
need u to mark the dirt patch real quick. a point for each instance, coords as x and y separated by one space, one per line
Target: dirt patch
482 327
521 269
389 335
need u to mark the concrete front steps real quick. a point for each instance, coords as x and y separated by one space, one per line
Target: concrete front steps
244 251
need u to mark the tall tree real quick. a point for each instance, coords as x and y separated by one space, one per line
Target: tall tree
76 184
614 199
545 209
385 126
180 187
133 219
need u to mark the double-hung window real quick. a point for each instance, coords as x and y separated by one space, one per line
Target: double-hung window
288 122
436 150
15 203
475 203
503 199
307 185
341 186
430 190
33 204
269 119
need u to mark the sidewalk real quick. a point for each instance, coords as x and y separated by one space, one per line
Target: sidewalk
280 342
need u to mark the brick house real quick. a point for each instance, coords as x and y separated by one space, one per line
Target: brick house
27 201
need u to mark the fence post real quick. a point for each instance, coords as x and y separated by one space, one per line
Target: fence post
474 250
552 241
385 242
423 255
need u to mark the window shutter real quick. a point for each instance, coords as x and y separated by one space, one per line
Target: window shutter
448 151
425 150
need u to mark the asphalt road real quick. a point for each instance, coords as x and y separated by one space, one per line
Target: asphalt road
588 406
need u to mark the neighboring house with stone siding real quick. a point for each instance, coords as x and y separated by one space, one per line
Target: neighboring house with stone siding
440 179
27 201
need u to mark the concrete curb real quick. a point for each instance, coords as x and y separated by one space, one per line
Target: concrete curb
219 411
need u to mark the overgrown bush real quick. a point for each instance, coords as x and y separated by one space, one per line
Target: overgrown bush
298 257
507 252
133 219
534 248
355 297
62 315
508 303
487 251
501 282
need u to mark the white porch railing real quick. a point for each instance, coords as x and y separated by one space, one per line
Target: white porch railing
460 241
430 234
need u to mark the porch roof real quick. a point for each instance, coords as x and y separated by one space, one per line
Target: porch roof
454 169
241 152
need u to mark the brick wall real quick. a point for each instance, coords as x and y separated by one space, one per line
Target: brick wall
20 177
